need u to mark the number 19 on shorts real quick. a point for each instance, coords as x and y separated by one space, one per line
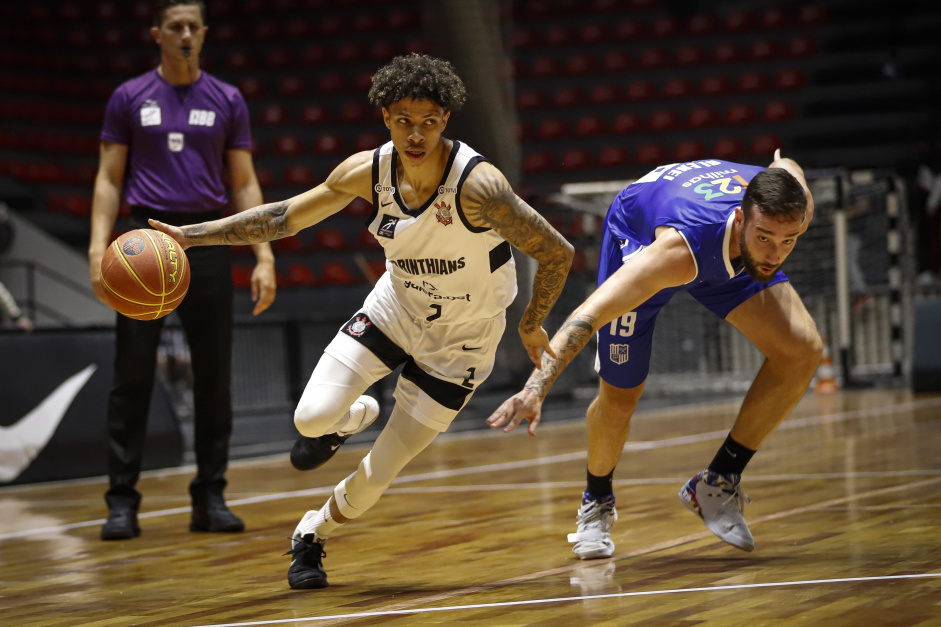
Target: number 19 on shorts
623 326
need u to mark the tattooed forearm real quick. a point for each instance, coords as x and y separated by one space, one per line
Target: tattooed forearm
261 224
567 343
488 200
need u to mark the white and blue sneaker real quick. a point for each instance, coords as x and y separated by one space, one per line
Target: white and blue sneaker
719 502
592 540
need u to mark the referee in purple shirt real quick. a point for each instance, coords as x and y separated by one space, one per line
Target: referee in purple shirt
166 137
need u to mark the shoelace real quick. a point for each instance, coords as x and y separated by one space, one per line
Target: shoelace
302 546
593 516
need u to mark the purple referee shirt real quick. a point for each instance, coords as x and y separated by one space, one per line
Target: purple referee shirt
176 138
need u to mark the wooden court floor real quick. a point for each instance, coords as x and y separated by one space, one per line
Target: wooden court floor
846 515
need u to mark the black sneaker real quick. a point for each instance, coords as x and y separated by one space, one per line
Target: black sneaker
306 571
121 524
309 453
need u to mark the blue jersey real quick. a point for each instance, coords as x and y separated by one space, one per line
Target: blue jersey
698 199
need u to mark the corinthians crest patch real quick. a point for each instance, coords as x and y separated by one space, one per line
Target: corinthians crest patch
357 326
443 213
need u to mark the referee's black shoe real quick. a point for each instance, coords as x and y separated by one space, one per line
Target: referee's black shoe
306 571
309 453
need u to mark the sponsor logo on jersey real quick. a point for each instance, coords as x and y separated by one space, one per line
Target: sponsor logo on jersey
443 213
618 353
201 117
681 168
387 226
379 188
175 142
431 292
358 326
446 190
150 113
429 266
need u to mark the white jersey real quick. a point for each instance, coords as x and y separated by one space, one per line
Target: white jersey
443 269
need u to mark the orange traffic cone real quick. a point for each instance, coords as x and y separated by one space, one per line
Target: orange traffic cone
826 383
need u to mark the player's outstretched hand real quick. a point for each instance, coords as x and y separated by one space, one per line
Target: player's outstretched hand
173 231
535 342
264 286
523 405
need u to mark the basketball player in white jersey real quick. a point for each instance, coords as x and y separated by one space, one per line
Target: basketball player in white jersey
446 219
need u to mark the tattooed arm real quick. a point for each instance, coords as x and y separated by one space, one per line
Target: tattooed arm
488 201
665 263
276 220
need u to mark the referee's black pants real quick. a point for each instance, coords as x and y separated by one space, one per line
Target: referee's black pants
206 313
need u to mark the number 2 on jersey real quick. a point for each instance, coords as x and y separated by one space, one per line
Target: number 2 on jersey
436 314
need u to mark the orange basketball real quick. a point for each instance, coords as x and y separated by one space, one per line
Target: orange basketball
145 274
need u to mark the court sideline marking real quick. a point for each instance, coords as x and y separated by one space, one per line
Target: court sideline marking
795 423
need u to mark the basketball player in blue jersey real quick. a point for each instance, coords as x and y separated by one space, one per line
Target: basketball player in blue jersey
446 219
720 231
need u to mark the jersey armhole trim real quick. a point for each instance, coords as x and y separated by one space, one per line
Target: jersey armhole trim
692 254
726 238
471 164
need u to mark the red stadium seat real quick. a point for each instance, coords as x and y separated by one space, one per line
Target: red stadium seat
288 145
358 208
523 39
354 112
811 15
652 58
349 52
740 114
727 52
665 27
328 144
546 66
241 276
367 23
764 145
714 86
777 111
332 84
239 60
299 175
616 62
593 33
801 47
663 120
702 24
613 157
558 36
314 55
335 273
288 245
292 86
701 117
567 97
553 128
532 99
576 159
268 30
384 50
789 79
279 58
315 114
604 94
299 275
651 154
581 64
538 161
738 21
752 82
775 17
763 50
727 148
273 115
690 55
368 240
589 126
677 88
370 141
688 150
328 238
628 30
626 122
638 91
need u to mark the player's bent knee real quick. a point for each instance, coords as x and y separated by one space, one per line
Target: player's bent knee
315 419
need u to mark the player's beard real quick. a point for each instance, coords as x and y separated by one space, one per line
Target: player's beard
751 264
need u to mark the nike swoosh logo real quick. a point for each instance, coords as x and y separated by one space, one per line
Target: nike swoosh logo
465 347
385 204
334 447
23 441
730 452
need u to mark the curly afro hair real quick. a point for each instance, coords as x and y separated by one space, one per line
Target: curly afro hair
419 77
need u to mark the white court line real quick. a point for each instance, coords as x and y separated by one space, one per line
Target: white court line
526 463
593 597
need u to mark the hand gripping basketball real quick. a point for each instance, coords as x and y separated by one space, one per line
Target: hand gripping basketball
145 274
